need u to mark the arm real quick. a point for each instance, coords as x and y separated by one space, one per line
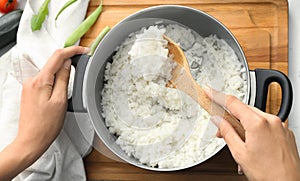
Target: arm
43 108
269 151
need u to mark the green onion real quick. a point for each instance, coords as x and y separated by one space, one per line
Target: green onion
83 27
38 19
70 2
98 39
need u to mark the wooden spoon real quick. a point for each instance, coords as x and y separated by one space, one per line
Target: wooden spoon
183 80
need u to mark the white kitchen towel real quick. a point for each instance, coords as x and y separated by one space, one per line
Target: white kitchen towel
59 162
63 160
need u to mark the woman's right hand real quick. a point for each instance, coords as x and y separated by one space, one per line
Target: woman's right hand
269 151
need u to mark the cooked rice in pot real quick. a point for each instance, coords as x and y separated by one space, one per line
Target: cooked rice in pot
160 126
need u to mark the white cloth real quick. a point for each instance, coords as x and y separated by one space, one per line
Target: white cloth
63 160
60 162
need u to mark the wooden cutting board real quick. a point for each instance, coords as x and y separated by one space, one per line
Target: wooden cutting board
260 26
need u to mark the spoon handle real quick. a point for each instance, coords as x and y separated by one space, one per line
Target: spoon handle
215 109
186 83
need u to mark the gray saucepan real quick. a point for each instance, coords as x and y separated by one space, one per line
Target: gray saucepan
88 81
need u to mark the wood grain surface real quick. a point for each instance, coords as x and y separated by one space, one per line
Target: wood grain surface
260 26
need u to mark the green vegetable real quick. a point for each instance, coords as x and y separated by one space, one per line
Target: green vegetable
83 27
9 24
10 21
70 2
38 19
98 39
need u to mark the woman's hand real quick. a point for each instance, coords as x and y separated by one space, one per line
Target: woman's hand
269 151
44 100
43 109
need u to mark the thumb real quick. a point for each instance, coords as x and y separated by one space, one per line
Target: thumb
231 137
62 81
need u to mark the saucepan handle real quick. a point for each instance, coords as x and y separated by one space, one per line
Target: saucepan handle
75 103
264 77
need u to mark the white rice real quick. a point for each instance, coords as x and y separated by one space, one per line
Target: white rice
162 127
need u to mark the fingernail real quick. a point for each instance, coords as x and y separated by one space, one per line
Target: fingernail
207 90
67 64
86 50
216 120
240 170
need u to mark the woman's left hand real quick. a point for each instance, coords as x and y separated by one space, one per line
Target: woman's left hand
43 109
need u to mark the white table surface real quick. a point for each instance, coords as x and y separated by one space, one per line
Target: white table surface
294 66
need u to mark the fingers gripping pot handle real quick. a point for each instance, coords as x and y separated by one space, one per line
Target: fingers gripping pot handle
75 103
264 77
